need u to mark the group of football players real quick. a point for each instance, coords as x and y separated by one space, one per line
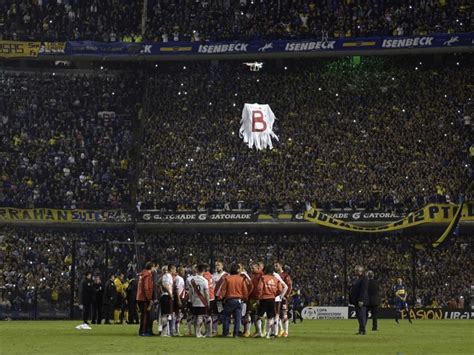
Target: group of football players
172 296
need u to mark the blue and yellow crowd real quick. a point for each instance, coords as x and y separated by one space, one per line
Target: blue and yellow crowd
178 20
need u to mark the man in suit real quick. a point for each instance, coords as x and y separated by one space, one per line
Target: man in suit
97 301
86 295
374 298
109 299
359 297
132 301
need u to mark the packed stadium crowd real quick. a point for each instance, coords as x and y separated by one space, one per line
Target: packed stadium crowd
36 265
55 20
392 137
65 139
177 20
165 20
35 271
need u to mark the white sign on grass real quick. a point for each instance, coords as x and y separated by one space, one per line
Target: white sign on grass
325 313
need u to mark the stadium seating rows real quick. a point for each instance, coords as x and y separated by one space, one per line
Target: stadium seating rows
65 139
166 20
348 137
391 137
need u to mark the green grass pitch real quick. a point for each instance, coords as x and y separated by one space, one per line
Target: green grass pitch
309 337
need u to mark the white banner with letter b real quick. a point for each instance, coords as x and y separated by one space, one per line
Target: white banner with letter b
257 126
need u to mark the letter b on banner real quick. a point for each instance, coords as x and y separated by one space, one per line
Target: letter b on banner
258 123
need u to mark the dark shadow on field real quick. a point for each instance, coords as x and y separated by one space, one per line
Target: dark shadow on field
216 338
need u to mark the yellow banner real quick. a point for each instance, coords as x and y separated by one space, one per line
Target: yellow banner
16 49
433 213
54 215
454 223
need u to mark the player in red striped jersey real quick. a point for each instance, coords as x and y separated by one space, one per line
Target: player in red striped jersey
199 296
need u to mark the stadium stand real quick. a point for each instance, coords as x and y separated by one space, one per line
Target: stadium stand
393 137
178 20
165 20
52 20
65 139
387 135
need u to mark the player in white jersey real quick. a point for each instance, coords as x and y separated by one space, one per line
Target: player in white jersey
166 301
179 298
189 306
218 277
278 301
199 296
283 312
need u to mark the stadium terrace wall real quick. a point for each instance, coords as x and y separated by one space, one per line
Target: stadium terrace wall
238 49
432 217
432 213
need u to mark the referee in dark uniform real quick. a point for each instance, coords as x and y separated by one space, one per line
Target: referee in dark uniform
374 299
